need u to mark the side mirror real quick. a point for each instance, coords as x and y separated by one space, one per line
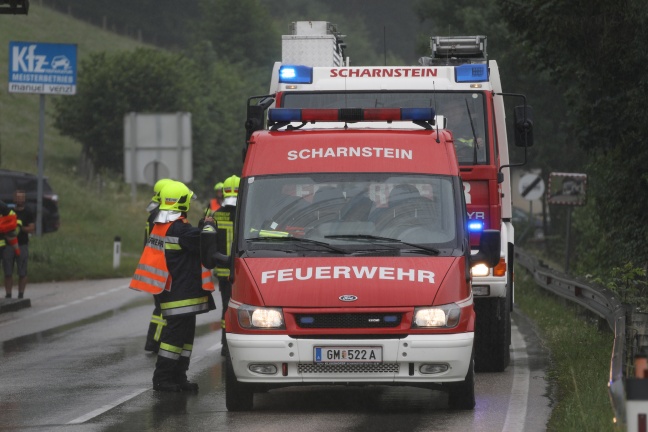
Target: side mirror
523 119
489 249
255 119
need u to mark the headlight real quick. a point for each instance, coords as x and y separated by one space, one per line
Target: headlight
437 316
254 317
480 270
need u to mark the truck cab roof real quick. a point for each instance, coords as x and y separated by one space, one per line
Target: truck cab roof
413 150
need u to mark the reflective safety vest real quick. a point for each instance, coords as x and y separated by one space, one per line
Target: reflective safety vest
225 235
214 205
9 230
466 141
152 274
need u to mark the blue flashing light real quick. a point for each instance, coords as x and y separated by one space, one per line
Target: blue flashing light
292 74
390 318
280 115
468 73
475 226
417 114
307 320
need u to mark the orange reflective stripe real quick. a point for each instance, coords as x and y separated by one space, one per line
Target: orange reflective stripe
152 274
207 281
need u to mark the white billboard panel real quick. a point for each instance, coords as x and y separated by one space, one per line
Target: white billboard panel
157 146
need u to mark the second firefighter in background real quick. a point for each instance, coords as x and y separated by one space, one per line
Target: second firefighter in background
224 218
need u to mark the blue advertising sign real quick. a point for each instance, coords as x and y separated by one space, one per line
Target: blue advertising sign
45 68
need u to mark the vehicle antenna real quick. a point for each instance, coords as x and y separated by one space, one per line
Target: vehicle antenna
436 121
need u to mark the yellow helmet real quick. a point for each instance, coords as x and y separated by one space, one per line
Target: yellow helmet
176 196
158 187
218 185
231 185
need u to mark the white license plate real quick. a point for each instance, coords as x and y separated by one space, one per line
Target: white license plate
348 354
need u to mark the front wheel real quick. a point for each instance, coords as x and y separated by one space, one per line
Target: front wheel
461 395
492 334
238 396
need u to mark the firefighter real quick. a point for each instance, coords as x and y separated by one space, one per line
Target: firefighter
224 217
170 268
157 321
217 201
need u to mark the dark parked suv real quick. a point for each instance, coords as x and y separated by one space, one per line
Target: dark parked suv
12 180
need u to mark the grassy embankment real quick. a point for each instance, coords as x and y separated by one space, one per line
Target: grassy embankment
92 213
580 359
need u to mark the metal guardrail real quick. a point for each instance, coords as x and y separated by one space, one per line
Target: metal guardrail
598 300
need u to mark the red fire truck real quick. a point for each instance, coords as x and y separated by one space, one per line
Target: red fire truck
463 86
351 256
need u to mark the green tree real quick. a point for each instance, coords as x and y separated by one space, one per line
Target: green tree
111 85
595 50
240 31
553 150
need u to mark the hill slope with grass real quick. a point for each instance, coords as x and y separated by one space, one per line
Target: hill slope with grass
92 213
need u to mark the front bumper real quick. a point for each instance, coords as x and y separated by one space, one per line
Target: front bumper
496 286
402 359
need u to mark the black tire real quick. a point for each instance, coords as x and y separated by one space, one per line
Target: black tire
238 396
492 334
461 395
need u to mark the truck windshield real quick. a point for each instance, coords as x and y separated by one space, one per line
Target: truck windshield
351 209
464 111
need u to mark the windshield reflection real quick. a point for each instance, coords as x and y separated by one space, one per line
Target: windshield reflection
349 210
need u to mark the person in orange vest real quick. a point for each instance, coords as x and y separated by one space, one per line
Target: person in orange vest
18 258
171 269
157 321
9 229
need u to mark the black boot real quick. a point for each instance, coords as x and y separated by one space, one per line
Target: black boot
167 387
188 386
182 366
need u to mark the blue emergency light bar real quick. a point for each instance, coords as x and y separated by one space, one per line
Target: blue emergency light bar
468 73
288 115
475 226
294 74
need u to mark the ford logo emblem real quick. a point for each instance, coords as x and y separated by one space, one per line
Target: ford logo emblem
348 297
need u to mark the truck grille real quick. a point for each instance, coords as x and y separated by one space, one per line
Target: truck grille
370 368
360 320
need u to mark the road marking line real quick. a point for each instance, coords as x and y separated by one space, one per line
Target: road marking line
517 408
55 308
103 409
215 347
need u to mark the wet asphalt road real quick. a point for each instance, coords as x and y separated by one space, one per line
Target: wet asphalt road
74 361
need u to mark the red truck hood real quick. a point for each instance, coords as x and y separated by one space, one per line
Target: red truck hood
360 281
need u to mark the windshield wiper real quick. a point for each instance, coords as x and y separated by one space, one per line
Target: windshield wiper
297 239
472 127
385 239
